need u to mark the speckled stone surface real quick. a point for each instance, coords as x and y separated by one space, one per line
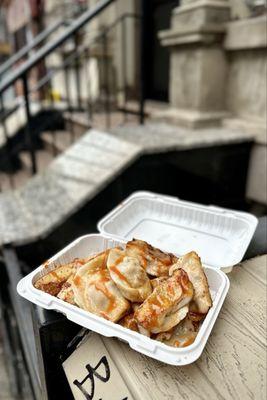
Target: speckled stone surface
71 179
83 170
162 137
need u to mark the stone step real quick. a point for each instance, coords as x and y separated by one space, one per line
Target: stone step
5 182
57 141
21 177
43 159
77 122
15 180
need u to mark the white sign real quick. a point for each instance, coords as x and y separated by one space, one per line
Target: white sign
92 374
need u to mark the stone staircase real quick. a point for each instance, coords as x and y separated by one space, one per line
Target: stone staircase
52 143
75 176
83 169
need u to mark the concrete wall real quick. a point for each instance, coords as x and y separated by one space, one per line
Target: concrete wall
219 74
245 44
246 86
246 95
194 76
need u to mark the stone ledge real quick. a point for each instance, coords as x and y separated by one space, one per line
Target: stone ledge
158 137
191 119
201 4
208 33
246 34
254 126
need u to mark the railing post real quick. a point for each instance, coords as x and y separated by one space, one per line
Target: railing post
123 67
68 99
89 94
29 138
9 155
106 80
53 132
77 72
141 68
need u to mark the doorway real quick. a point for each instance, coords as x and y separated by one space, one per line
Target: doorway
157 16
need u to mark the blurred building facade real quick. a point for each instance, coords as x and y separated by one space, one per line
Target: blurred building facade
207 60
203 62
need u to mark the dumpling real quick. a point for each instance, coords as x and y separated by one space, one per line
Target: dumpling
97 263
157 281
53 281
167 305
129 276
194 315
66 293
103 298
191 264
182 335
129 322
153 260
95 291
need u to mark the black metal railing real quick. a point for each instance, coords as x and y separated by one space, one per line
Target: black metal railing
80 51
24 51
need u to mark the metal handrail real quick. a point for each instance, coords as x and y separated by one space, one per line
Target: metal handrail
70 32
43 81
25 50
51 46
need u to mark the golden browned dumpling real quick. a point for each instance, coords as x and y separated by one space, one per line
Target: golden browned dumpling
167 305
103 298
128 275
194 315
53 281
129 322
191 264
153 260
95 291
157 281
96 263
66 293
182 335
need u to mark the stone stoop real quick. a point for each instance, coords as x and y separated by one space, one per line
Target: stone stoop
43 159
57 141
54 143
83 170
72 178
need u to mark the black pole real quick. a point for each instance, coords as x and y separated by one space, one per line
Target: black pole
53 132
106 80
142 66
87 75
77 72
9 154
68 99
123 66
28 131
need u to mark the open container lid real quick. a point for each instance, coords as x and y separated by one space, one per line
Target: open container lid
220 236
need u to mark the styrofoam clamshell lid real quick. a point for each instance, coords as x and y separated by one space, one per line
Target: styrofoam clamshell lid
220 236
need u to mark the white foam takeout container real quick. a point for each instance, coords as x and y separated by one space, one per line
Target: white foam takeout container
219 236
